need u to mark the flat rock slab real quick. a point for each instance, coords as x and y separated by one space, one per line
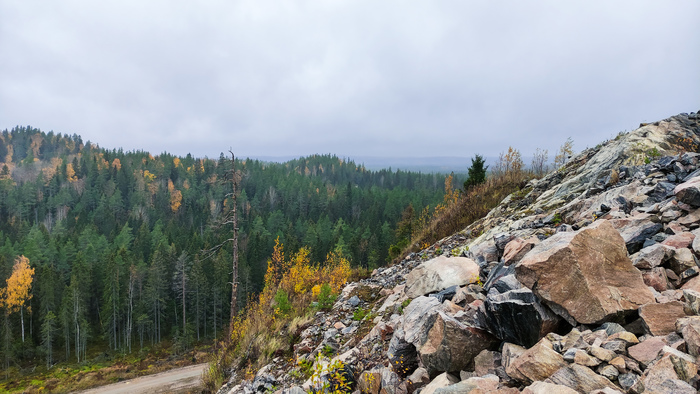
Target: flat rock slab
580 378
586 275
440 273
660 319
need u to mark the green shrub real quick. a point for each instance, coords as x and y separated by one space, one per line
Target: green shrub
326 298
283 306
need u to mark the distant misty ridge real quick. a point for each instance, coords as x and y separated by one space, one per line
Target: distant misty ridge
442 165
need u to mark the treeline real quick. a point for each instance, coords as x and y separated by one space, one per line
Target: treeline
115 238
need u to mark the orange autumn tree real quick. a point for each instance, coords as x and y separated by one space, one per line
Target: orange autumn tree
14 296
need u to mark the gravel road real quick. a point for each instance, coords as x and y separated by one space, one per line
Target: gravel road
181 380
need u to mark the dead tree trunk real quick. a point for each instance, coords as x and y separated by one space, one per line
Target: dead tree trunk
234 268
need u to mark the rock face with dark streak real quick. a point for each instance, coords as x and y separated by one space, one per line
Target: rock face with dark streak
586 273
517 316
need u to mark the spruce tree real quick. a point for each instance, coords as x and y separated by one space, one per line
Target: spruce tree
477 172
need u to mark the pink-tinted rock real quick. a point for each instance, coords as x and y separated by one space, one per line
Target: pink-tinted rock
680 240
548 388
689 328
517 248
645 352
660 319
692 284
669 368
656 278
586 273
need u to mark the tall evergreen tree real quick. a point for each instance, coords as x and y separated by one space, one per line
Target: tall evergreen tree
477 172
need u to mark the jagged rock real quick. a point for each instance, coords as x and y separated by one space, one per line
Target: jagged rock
635 230
587 274
645 352
536 363
501 240
692 284
451 345
681 260
496 274
680 240
619 363
487 251
608 371
582 358
446 294
689 328
486 384
627 380
651 256
509 353
626 336
440 273
688 192
656 278
692 302
517 316
548 388
486 362
416 318
442 380
602 354
660 319
670 372
419 377
402 354
606 390
611 328
517 248
580 378
370 381
390 381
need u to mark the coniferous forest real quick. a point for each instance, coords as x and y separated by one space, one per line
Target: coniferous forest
115 242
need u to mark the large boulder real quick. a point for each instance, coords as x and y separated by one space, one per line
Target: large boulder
517 316
586 275
440 273
689 192
450 345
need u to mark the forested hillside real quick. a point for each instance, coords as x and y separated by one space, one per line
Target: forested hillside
114 238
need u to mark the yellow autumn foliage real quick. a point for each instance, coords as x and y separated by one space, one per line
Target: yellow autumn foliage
17 292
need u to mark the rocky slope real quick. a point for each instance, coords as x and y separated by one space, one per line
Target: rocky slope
584 281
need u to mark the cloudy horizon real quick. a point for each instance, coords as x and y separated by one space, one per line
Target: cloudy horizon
351 78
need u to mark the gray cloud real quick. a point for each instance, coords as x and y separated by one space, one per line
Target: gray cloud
388 78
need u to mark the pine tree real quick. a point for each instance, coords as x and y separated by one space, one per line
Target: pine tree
477 172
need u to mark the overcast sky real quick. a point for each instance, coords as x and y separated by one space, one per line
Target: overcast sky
353 78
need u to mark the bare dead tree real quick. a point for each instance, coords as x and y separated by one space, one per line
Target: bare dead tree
233 177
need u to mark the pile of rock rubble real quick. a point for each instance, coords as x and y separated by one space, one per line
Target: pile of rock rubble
585 281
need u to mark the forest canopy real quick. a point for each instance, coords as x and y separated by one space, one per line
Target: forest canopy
109 235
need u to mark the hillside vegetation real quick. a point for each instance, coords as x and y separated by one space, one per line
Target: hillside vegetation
115 239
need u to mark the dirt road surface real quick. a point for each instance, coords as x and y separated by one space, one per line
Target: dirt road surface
181 380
